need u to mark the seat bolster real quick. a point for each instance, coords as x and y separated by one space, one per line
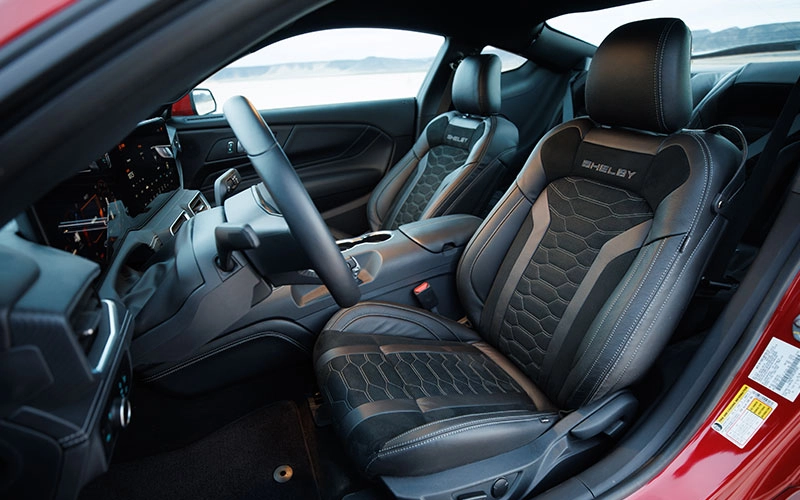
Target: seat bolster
485 252
388 189
469 187
381 318
712 160
452 442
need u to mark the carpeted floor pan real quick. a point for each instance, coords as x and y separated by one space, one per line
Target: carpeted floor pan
235 462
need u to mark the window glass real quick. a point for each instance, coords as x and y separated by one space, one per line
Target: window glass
328 67
739 26
510 61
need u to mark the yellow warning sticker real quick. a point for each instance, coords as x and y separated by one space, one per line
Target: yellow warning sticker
744 415
760 409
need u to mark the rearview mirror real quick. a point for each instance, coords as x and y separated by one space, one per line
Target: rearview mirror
203 101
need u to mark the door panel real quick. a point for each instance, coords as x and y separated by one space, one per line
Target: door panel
339 151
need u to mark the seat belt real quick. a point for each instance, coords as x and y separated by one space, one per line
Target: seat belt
567 104
757 146
747 190
447 95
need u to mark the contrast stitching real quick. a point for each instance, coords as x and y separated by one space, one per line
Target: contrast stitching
492 234
487 420
664 303
709 177
367 316
381 454
622 315
410 320
391 177
458 187
627 338
439 422
657 86
617 296
709 174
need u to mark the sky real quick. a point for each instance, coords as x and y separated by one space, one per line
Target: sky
346 44
713 15
359 43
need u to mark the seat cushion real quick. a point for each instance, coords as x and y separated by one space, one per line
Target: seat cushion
416 404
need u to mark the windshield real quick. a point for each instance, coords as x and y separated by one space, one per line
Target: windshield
717 25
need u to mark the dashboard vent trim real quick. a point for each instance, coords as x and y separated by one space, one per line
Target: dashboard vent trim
198 204
179 221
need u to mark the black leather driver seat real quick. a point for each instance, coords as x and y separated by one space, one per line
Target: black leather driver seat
459 159
573 283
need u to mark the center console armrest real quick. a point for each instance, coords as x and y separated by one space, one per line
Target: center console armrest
437 234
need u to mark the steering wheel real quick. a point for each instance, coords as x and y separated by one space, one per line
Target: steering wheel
285 187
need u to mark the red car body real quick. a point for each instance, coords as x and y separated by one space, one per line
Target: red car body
711 466
20 16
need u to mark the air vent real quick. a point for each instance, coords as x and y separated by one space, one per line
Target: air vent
183 217
198 204
85 320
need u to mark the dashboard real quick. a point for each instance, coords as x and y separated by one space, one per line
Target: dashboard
66 320
125 183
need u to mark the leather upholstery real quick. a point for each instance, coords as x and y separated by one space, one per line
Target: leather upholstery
614 254
576 280
659 99
422 394
458 160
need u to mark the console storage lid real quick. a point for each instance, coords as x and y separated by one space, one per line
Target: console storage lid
440 233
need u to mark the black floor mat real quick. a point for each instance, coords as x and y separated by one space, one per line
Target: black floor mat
236 462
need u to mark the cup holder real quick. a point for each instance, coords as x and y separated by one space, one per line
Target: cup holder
375 237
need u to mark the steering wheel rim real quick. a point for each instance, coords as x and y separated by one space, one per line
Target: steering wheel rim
286 188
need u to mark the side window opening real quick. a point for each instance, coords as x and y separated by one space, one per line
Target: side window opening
329 67
509 60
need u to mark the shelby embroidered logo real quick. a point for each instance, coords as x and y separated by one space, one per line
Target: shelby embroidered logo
455 138
605 169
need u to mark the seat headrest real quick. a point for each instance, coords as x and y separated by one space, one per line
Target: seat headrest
640 77
476 85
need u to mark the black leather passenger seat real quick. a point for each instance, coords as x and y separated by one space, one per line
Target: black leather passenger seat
459 159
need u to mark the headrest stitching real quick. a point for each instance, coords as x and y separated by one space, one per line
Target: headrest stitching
657 99
667 31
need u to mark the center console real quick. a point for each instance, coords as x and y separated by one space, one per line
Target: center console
236 323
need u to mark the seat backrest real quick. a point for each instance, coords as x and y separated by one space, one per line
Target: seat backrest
458 160
581 272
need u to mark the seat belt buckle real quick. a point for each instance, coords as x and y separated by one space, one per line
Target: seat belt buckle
426 296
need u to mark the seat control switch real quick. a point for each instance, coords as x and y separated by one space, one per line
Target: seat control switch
500 488
477 495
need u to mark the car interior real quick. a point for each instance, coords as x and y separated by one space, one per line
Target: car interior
529 277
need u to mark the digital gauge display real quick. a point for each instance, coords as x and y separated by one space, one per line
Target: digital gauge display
75 215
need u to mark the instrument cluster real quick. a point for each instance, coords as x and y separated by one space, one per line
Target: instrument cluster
126 181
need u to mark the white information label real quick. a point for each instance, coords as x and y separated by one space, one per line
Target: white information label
744 415
778 369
